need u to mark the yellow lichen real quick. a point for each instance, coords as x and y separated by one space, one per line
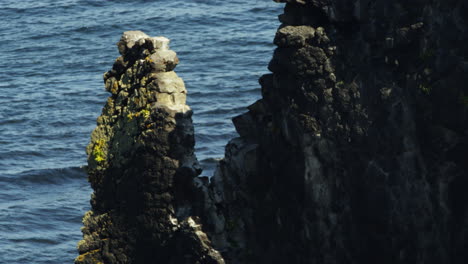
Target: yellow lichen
85 255
98 150
148 59
80 258
145 113
115 87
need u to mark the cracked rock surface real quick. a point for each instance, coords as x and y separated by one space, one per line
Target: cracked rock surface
356 152
141 165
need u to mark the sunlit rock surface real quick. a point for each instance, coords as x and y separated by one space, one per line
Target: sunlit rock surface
141 165
356 152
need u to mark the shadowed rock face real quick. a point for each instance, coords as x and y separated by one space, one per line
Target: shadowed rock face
356 152
141 165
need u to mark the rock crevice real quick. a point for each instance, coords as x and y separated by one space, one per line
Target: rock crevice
141 164
356 152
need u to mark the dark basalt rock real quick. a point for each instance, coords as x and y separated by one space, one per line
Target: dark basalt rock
356 152
356 156
141 165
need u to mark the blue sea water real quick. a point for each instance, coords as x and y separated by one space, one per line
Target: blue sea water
52 57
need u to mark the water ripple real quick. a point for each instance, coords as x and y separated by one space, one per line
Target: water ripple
54 53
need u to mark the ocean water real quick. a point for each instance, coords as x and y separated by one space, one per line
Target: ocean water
52 57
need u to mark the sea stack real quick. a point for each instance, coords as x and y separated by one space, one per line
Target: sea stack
141 164
356 152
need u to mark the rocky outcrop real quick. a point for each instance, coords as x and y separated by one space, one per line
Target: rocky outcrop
141 164
356 152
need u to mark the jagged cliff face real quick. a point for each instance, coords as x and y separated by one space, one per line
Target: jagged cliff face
357 151
141 164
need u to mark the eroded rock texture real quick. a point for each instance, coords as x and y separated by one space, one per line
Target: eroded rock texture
357 151
141 165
